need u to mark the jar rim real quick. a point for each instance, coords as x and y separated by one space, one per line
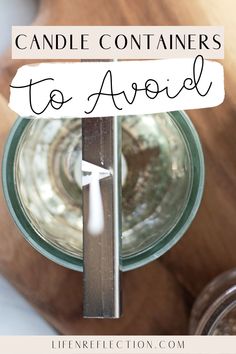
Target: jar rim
220 308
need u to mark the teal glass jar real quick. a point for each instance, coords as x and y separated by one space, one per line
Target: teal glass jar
162 185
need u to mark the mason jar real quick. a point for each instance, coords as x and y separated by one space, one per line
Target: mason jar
162 185
214 312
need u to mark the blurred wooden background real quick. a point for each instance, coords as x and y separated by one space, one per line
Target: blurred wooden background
158 297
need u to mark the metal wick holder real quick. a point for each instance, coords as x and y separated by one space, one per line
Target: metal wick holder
101 189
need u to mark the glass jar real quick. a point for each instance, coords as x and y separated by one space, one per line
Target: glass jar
162 185
214 312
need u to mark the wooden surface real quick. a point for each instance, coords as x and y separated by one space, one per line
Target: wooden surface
158 297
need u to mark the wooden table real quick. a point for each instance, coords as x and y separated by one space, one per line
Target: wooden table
158 297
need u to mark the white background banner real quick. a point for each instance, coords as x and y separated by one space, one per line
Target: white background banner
118 344
111 42
95 89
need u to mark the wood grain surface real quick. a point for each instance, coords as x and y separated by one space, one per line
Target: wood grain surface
158 297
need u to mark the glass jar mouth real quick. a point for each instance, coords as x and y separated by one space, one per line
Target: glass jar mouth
219 309
192 142
213 305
